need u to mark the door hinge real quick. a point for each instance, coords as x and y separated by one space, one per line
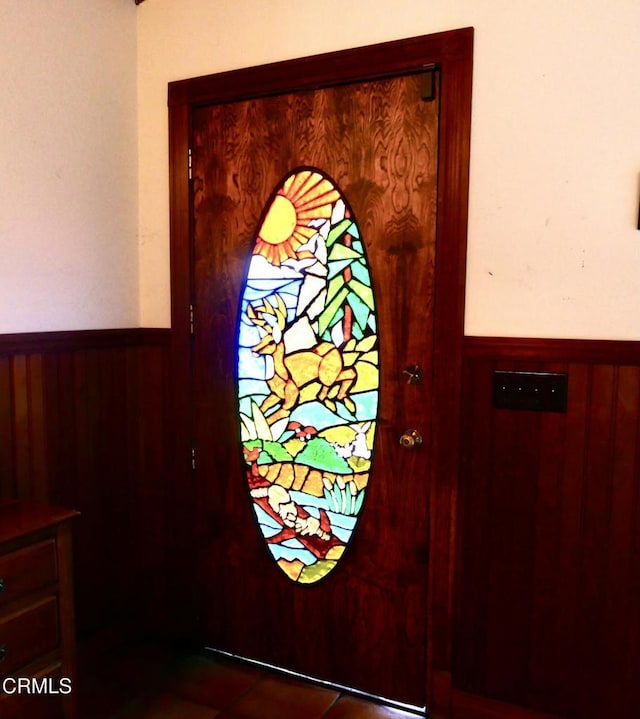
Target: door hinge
429 82
189 165
192 321
193 459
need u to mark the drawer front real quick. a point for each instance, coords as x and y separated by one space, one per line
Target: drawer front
34 705
28 634
26 570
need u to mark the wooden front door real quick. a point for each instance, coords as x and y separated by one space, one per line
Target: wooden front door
367 624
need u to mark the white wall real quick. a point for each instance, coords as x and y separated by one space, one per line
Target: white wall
68 165
553 245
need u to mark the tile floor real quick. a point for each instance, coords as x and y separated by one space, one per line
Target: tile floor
145 681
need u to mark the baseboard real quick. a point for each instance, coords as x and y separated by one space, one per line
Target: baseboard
472 706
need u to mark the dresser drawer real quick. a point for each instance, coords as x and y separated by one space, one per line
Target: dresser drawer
34 705
28 634
26 570
37 637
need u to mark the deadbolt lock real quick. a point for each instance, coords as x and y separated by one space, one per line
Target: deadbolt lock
413 373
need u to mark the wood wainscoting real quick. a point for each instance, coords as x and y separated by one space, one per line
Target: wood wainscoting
547 612
83 418
547 585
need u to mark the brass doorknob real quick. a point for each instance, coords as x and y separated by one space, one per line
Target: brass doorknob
411 439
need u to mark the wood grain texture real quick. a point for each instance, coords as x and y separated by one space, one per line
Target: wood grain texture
548 602
82 425
378 141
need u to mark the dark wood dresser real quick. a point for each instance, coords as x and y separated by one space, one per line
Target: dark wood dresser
37 634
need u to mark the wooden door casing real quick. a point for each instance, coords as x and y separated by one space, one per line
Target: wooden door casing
452 53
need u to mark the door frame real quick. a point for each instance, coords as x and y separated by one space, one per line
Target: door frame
452 53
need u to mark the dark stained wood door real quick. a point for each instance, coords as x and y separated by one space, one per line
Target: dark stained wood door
381 621
365 625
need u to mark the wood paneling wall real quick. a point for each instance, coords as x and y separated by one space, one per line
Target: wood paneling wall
83 418
548 565
547 611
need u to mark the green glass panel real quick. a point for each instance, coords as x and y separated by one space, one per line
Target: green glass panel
338 231
331 309
363 292
361 273
360 310
335 286
320 454
340 252
336 268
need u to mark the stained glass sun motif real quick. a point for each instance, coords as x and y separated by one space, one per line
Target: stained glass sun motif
307 375
304 197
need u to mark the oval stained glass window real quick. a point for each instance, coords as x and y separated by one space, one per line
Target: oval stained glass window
308 380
